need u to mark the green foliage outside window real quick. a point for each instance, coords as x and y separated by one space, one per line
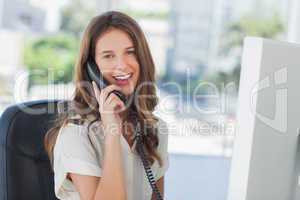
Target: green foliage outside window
51 59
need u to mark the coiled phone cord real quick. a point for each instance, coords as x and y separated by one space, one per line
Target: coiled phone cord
146 164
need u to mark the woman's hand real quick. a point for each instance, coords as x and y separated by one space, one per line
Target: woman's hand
110 106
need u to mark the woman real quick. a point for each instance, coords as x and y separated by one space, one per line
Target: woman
92 146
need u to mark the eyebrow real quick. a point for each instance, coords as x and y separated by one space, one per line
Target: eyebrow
109 51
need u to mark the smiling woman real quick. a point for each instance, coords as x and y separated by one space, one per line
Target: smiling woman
116 58
95 150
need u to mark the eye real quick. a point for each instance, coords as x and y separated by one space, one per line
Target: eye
131 52
108 56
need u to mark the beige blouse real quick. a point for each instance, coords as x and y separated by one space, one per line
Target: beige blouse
80 151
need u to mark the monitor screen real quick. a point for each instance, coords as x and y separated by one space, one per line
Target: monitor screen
266 149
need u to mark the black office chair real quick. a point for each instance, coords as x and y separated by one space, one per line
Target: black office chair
25 171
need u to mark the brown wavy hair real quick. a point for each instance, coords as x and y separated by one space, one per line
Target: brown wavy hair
84 100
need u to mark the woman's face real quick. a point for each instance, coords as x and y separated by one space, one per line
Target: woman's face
116 58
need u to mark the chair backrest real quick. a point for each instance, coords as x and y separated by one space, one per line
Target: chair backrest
25 170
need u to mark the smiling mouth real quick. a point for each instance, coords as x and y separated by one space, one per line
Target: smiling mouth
123 77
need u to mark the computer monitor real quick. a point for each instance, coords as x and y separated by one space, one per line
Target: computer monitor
265 159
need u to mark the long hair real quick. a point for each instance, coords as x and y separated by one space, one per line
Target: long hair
84 99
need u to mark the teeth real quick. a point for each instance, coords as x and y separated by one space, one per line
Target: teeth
123 77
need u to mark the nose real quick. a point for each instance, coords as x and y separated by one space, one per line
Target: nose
120 63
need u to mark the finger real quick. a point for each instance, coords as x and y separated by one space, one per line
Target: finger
97 93
107 90
96 90
116 105
113 98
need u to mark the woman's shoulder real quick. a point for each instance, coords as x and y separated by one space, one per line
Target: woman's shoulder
70 134
76 130
77 141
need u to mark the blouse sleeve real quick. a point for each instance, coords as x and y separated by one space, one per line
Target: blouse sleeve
73 152
163 135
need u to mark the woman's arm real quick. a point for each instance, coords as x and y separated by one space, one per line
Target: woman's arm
160 185
111 185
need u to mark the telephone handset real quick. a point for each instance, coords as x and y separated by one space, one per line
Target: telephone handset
94 74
